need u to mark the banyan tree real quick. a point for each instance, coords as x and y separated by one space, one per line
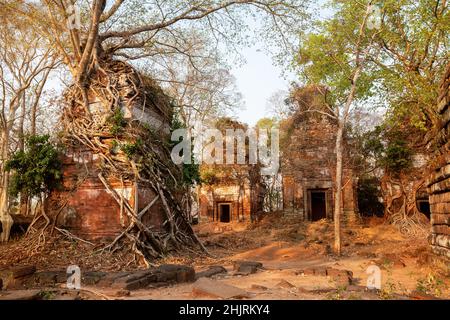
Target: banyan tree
119 181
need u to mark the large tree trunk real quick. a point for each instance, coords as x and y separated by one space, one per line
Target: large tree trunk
338 196
5 218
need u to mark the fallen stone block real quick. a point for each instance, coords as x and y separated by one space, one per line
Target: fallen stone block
258 287
285 285
137 284
135 281
110 278
216 289
49 278
212 271
92 277
22 271
337 272
342 280
12 277
356 288
341 277
183 273
246 267
21 295
162 277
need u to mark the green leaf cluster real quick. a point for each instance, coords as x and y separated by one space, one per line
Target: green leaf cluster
37 169
191 171
117 121
130 149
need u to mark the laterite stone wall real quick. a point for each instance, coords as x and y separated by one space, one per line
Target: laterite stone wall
439 180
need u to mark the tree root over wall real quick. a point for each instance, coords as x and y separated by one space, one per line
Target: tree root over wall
118 86
400 198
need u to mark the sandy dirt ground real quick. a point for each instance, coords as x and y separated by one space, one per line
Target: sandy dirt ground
287 248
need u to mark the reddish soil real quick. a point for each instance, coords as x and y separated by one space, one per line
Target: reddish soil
285 246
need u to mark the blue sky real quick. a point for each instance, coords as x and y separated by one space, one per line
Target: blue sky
257 80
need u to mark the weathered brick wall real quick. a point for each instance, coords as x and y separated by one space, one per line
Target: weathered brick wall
439 180
238 185
84 205
233 193
88 209
308 163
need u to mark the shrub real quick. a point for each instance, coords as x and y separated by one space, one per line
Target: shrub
368 197
117 121
37 169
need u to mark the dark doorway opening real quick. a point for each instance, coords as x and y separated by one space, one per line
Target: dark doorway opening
224 212
318 205
424 207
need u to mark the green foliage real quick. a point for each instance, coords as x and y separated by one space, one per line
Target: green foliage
47 295
372 143
209 177
191 171
368 197
327 55
117 121
267 123
130 149
407 57
37 169
411 72
397 156
388 148
431 285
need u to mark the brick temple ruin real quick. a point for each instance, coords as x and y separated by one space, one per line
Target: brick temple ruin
227 199
84 206
230 193
308 161
439 179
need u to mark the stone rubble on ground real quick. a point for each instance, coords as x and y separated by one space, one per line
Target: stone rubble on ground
215 289
210 272
246 267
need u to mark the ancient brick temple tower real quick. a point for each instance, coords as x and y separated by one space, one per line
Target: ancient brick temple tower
308 162
230 193
84 206
439 180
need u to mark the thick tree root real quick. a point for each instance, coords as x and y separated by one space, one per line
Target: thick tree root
118 86
407 217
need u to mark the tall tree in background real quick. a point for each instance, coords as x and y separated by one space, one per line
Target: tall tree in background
335 57
25 65
202 89
413 53
398 58
153 32
160 29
